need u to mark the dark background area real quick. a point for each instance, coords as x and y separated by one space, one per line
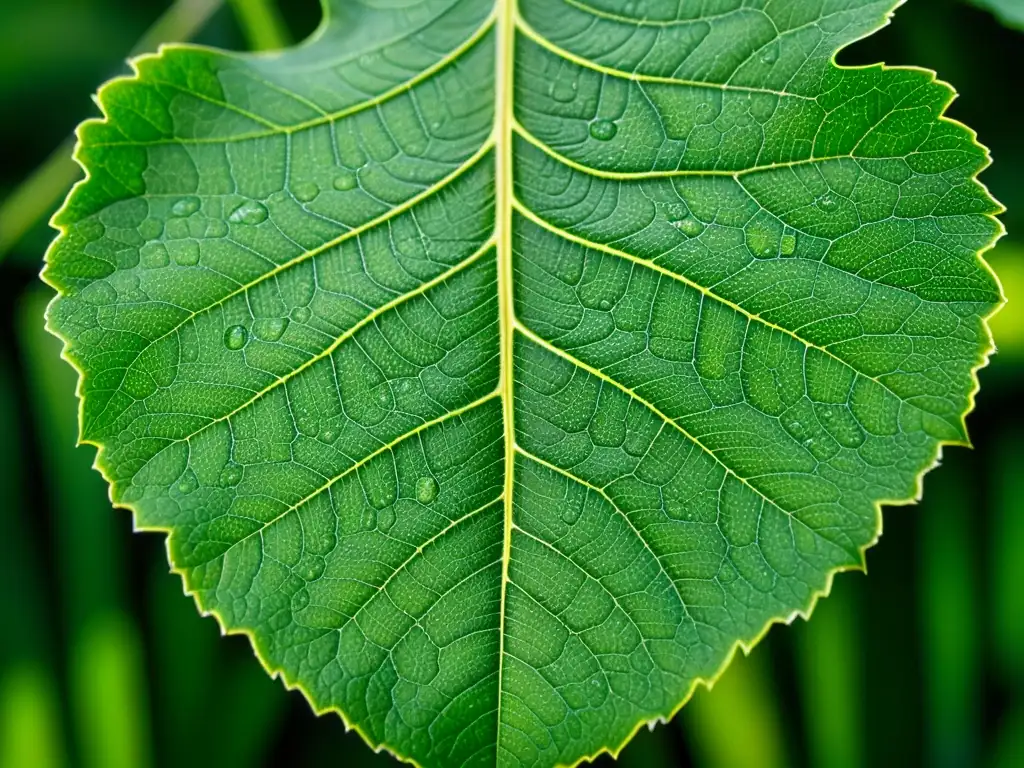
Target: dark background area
103 662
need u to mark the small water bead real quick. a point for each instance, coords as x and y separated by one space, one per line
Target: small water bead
570 515
603 130
761 242
250 212
231 475
383 397
689 226
236 337
604 305
788 246
426 489
186 254
269 328
386 519
329 436
314 569
188 484
306 191
771 53
345 181
301 600
562 91
185 207
826 203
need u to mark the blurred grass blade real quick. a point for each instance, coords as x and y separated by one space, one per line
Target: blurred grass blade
738 723
41 193
108 693
948 603
107 678
262 24
829 661
30 735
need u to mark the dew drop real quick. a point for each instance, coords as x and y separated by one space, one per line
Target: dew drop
788 247
329 436
761 242
771 53
826 203
383 398
250 212
570 515
235 337
604 305
231 475
188 484
808 442
343 182
305 191
426 489
300 600
185 207
186 254
386 519
269 328
563 91
301 314
689 226
314 569
603 130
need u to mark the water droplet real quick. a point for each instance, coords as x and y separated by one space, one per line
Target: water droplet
604 305
151 229
383 397
329 436
250 212
761 242
301 314
188 484
308 422
426 489
300 600
808 442
689 226
154 256
826 203
386 519
231 475
603 130
435 125
570 515
235 337
269 328
770 54
314 568
563 91
185 207
788 246
345 181
186 254
305 191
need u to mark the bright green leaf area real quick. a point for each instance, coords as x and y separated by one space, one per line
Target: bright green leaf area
498 366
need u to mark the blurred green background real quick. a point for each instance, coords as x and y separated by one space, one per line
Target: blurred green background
104 663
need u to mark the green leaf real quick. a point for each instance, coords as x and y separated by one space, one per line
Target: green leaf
499 366
1009 12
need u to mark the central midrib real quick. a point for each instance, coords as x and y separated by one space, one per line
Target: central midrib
505 12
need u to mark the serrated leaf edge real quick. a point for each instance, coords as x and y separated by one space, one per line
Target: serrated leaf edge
504 9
